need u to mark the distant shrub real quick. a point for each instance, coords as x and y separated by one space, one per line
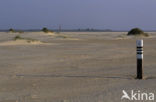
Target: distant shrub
11 30
15 31
137 31
17 37
46 30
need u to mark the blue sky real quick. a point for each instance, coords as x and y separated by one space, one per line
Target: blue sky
73 14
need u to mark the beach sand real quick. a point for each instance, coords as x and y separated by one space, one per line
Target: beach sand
73 67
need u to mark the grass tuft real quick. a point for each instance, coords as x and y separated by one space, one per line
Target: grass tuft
21 38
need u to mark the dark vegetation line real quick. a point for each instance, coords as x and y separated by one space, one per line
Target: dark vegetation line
73 30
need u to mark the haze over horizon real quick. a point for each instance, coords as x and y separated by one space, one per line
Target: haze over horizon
75 14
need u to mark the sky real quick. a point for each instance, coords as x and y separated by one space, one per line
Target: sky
75 14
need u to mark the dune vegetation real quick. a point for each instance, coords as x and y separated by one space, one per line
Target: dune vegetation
137 31
46 30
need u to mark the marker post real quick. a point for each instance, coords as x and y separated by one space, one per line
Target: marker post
139 44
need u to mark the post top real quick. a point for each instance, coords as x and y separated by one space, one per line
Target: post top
139 43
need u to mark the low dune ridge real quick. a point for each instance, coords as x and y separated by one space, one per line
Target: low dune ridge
21 42
60 36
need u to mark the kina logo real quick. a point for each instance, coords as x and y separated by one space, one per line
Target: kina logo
137 95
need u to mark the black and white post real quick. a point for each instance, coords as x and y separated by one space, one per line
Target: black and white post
139 44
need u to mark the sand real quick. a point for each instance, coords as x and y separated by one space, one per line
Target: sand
95 67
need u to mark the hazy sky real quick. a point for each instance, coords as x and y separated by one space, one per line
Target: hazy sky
101 14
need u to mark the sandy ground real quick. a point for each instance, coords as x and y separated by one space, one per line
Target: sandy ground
73 67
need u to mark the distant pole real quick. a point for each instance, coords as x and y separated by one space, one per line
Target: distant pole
139 44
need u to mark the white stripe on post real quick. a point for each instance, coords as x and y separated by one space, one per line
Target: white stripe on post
139 44
139 49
